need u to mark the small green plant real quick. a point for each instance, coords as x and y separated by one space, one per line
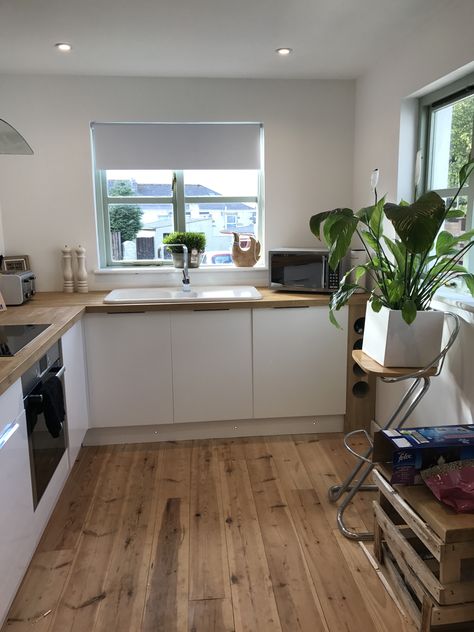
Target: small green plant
194 241
405 272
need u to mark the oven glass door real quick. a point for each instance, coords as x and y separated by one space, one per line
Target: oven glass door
46 450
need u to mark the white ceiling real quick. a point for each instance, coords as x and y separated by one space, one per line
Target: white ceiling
206 38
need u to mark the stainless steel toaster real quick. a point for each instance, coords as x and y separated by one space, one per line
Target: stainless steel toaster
17 287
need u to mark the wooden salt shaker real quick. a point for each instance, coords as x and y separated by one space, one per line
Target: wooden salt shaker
82 285
68 284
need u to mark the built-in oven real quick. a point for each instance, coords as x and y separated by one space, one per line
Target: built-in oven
43 393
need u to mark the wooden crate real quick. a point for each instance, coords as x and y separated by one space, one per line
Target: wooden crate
430 565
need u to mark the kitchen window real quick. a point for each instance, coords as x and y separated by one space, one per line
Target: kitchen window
141 195
447 135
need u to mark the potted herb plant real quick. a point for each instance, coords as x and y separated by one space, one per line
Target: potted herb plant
401 274
195 243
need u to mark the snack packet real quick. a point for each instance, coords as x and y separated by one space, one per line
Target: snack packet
453 484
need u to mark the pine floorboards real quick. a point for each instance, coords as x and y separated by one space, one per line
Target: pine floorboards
226 535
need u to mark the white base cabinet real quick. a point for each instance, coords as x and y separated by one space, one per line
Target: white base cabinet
75 386
212 365
129 369
16 500
299 362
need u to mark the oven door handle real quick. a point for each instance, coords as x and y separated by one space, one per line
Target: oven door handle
60 373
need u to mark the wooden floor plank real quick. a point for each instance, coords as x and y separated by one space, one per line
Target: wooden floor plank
383 611
291 470
252 592
85 588
208 576
74 504
298 605
322 473
338 593
210 615
344 463
229 449
35 604
125 582
166 606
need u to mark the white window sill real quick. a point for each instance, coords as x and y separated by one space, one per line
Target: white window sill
455 298
171 269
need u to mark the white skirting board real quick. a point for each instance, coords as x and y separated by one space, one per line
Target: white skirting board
214 430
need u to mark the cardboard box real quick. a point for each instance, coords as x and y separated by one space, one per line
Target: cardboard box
411 450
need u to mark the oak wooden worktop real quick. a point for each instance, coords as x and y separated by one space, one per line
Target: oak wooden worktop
93 302
63 310
61 319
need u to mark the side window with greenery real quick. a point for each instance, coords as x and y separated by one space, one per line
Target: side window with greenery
433 236
446 144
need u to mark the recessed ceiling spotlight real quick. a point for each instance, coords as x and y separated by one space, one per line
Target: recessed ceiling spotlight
63 47
284 51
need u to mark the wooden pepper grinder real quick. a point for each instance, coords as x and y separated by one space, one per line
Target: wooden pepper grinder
68 285
82 285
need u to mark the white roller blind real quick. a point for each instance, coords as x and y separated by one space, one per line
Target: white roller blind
176 145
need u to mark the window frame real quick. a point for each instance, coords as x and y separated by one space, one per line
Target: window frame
178 199
428 104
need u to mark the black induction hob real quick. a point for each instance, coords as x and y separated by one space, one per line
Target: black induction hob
15 337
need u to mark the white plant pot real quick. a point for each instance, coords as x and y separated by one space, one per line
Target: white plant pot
391 342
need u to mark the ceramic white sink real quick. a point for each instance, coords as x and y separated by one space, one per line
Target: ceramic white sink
198 293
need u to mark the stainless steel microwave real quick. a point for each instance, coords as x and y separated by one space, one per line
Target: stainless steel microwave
302 270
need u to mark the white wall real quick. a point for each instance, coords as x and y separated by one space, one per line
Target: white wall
47 199
385 115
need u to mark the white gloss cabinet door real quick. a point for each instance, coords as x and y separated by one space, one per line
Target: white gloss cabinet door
299 361
212 365
17 538
129 369
75 386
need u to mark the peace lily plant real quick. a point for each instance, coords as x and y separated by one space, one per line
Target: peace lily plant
406 271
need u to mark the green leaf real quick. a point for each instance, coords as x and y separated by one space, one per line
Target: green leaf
455 213
417 224
466 171
395 290
365 213
369 239
469 281
464 237
398 251
444 243
339 299
333 320
359 272
409 311
376 304
376 220
340 233
316 220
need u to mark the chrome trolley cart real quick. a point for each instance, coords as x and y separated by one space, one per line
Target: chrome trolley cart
410 400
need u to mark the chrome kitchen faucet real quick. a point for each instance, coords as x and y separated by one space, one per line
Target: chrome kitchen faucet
186 280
